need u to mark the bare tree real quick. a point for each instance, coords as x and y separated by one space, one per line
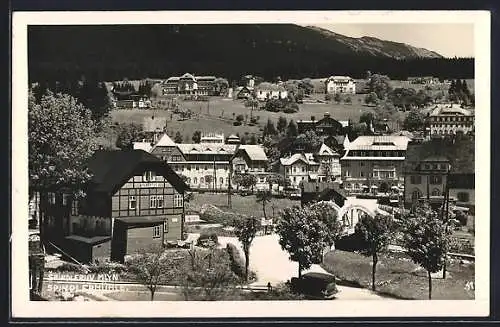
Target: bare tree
151 268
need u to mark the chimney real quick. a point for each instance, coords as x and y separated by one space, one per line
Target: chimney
327 114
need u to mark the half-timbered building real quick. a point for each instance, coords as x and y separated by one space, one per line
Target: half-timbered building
134 201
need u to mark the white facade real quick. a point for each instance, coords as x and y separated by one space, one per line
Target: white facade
450 119
340 84
265 91
324 165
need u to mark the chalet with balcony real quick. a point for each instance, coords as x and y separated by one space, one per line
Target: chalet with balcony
251 159
324 126
133 201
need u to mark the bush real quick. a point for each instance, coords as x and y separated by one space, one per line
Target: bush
236 123
291 108
328 97
206 238
237 262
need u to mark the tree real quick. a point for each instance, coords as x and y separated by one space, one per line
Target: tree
253 139
304 235
371 98
307 85
367 117
281 125
337 97
60 142
245 231
292 129
269 129
308 141
327 214
414 121
128 133
380 85
196 137
240 118
151 268
247 181
348 100
95 96
264 197
375 233
178 137
426 240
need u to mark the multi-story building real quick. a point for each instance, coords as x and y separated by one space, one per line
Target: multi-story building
134 201
190 84
205 165
321 165
324 126
340 84
433 165
450 119
251 159
265 91
374 163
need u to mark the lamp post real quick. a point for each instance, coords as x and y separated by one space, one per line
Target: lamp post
446 202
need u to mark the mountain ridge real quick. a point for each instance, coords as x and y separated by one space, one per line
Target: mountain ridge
377 46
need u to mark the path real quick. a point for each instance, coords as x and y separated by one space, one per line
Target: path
271 264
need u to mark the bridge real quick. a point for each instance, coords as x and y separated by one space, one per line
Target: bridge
354 208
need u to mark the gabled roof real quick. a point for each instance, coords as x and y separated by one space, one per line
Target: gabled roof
111 169
326 150
269 87
197 148
254 152
165 140
450 109
307 158
459 153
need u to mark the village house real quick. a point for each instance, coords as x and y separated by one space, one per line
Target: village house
433 165
427 80
340 84
251 159
374 164
324 126
134 201
265 91
206 165
320 165
450 119
190 85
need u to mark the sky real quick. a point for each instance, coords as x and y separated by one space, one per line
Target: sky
447 39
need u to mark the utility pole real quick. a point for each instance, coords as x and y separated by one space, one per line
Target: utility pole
446 219
229 186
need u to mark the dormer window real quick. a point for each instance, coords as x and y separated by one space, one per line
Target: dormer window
149 176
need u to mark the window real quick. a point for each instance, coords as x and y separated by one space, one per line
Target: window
361 174
165 226
176 158
195 180
65 199
227 180
416 179
178 200
153 201
189 180
159 200
427 166
221 180
294 178
51 197
132 202
435 192
202 180
361 164
416 194
303 169
435 179
197 167
463 196
157 231
149 176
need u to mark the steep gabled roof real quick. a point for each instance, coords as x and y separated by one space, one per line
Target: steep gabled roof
254 152
165 140
111 169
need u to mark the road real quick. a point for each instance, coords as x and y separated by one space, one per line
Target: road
271 264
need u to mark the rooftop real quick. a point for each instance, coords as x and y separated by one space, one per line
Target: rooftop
254 152
197 148
384 142
450 109
269 86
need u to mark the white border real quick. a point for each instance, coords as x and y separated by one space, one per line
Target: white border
22 307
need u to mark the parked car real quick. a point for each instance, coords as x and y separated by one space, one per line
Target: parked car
315 286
